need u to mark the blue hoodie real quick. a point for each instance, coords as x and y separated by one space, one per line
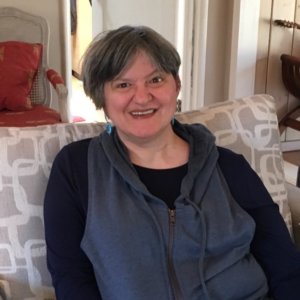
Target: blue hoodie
142 250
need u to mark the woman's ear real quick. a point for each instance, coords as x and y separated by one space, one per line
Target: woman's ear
105 111
178 83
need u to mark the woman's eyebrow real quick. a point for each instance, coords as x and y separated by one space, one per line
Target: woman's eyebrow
120 77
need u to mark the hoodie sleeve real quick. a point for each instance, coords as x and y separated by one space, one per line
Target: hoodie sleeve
64 213
272 245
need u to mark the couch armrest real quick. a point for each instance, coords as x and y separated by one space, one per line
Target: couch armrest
294 203
62 93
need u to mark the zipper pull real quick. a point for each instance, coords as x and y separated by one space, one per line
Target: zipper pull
172 216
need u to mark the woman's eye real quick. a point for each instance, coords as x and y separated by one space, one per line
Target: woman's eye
122 85
156 79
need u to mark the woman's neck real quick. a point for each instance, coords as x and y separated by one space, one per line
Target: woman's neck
160 153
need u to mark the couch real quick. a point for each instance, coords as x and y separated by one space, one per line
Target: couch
248 126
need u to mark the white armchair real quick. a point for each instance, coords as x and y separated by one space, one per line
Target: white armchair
20 26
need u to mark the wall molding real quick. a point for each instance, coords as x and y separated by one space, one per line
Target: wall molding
243 52
191 35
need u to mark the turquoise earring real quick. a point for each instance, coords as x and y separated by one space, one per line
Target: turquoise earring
108 126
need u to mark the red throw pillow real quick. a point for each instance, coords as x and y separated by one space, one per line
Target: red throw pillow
19 63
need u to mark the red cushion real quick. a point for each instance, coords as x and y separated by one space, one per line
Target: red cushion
38 115
19 63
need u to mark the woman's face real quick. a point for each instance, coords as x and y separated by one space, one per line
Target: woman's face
141 101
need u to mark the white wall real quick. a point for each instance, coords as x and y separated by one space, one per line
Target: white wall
218 44
158 14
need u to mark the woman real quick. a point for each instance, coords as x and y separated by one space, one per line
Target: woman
151 208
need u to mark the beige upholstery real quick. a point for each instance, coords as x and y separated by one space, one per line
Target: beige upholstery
18 25
247 125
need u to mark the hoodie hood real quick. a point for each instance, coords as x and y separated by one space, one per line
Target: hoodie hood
202 158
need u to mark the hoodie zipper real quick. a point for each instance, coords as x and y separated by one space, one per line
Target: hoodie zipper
172 274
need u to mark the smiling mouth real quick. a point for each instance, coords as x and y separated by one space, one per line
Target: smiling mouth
143 113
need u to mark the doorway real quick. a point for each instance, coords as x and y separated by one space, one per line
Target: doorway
81 35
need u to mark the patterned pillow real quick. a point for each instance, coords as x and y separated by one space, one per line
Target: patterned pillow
249 126
19 63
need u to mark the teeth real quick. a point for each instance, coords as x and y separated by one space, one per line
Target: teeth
143 113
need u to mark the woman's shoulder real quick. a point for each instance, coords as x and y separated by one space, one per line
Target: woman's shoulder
72 156
244 184
231 160
76 148
235 167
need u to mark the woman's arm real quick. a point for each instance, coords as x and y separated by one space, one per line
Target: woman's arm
272 245
65 213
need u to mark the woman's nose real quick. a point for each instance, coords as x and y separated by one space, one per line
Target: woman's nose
142 94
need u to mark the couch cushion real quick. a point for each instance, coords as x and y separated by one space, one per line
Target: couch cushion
38 115
249 126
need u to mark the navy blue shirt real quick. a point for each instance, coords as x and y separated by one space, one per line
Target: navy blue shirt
72 272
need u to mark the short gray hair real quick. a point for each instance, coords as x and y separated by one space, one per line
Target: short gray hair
112 51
